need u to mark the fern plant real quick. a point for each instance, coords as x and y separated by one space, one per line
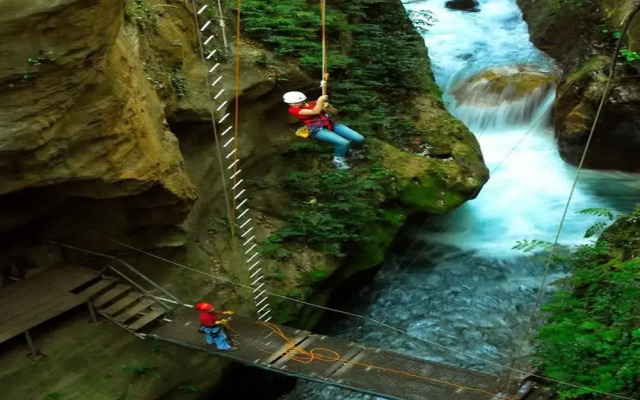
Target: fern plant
599 212
592 336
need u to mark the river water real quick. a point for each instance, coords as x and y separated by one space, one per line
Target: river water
457 283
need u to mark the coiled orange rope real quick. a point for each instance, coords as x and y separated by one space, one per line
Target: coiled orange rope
301 355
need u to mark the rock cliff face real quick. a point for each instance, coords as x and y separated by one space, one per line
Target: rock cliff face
105 127
581 35
83 134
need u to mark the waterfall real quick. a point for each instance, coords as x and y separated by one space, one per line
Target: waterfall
458 282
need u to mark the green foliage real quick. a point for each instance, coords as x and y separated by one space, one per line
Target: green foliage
164 79
315 276
600 212
598 227
273 248
532 245
376 60
592 337
264 61
188 389
630 56
310 146
595 229
53 396
136 369
422 20
341 209
278 274
614 34
295 294
179 85
142 14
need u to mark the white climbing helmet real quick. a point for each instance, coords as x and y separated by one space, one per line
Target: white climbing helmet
294 97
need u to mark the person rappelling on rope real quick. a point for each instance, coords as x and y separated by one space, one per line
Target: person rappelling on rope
213 327
318 118
318 115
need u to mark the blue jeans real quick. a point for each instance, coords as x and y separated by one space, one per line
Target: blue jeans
217 335
341 137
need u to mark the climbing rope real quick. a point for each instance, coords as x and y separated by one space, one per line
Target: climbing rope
237 100
213 101
603 99
359 316
325 72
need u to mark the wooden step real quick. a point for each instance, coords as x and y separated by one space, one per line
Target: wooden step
97 288
122 303
145 320
135 310
111 295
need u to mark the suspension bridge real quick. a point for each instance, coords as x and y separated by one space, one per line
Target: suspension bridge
117 294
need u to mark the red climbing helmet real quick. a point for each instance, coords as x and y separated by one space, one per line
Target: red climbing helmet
204 306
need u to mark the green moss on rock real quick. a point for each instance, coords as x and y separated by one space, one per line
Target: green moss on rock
504 83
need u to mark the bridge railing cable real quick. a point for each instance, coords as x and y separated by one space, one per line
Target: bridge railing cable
174 299
365 318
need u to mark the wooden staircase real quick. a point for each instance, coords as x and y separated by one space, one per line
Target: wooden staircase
123 304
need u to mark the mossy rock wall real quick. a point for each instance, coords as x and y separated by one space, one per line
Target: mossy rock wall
581 36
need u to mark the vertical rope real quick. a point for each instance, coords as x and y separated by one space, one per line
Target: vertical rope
222 25
212 107
237 104
323 20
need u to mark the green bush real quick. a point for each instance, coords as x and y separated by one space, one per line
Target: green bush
630 56
142 14
592 336
335 208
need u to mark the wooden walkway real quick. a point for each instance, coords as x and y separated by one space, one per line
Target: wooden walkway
337 362
35 300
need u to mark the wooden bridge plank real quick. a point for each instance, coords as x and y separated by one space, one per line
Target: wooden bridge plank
121 304
147 319
111 295
133 311
46 311
98 288
63 279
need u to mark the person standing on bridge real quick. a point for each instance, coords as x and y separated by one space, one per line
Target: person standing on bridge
212 326
318 118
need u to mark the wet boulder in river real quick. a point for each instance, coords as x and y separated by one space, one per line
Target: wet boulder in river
463 5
